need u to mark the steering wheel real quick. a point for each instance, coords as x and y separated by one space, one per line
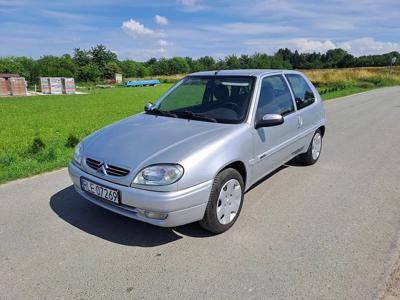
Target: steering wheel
232 106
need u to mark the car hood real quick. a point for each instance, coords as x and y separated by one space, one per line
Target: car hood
144 139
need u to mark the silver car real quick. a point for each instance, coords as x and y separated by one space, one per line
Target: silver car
193 154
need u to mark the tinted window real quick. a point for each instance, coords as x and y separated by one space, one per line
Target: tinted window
302 92
275 97
224 98
190 93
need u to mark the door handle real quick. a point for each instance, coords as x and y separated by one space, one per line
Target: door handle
299 121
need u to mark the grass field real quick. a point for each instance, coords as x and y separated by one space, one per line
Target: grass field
37 133
342 82
52 119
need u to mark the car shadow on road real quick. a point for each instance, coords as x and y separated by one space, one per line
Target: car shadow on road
82 214
292 163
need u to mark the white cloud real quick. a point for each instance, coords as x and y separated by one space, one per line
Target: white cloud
160 20
361 46
306 45
162 43
243 28
368 45
151 41
300 44
63 16
137 29
191 5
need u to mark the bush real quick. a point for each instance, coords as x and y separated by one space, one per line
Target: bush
37 145
72 141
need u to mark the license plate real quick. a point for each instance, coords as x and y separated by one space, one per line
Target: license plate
100 190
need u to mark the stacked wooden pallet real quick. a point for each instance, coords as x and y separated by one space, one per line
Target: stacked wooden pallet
68 86
4 87
56 87
44 85
17 86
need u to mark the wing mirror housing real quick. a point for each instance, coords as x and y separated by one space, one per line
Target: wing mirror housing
148 106
269 120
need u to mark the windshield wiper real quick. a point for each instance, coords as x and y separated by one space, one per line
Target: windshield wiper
165 113
191 115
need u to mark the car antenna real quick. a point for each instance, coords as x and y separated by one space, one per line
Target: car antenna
216 72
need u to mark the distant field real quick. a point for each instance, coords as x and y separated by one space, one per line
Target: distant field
55 119
333 83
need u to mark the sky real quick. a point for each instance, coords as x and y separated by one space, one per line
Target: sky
140 30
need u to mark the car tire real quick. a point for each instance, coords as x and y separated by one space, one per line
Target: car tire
225 202
314 150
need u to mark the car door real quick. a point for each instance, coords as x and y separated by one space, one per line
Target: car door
273 146
308 111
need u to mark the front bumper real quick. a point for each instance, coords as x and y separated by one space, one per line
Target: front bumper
183 207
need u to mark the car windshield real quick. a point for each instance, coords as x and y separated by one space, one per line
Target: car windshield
222 99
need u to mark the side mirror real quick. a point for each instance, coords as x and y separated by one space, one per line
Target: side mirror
269 120
148 106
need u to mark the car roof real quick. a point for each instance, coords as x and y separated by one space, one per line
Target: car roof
241 72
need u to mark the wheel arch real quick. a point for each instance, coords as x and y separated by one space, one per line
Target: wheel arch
322 128
238 166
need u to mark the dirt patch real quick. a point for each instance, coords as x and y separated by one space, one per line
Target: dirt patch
392 288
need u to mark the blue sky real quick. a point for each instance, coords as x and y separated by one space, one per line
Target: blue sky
155 28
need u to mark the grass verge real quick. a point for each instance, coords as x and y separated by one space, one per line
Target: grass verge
38 133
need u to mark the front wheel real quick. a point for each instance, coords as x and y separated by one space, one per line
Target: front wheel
225 201
313 151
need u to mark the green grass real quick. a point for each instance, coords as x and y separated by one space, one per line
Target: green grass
350 90
37 133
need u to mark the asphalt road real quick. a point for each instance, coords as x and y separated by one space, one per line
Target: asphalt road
329 231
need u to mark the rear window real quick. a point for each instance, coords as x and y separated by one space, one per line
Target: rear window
303 93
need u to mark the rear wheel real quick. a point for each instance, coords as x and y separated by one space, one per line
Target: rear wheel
225 201
313 151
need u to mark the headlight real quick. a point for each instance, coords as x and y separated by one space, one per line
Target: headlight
162 174
78 155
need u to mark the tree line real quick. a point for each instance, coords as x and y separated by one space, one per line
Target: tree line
99 63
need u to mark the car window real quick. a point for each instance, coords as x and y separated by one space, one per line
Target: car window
275 97
223 98
190 93
303 93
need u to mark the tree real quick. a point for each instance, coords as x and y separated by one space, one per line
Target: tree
110 69
89 73
333 58
99 63
53 66
129 68
28 64
178 65
206 63
232 62
261 61
81 57
13 65
103 57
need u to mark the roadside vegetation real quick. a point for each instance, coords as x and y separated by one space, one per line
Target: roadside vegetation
38 133
99 63
333 83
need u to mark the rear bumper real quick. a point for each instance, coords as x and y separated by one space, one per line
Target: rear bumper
183 207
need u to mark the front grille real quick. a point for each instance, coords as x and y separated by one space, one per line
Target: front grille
108 169
94 164
116 171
